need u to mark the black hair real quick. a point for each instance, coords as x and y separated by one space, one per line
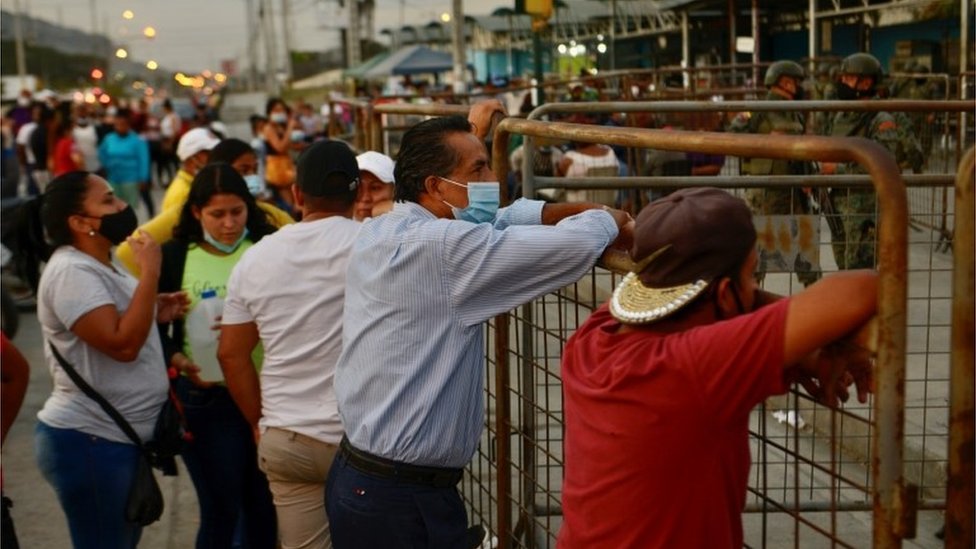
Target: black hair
424 151
229 150
167 104
256 119
217 179
42 223
272 101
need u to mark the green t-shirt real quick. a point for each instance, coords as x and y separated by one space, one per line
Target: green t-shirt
206 271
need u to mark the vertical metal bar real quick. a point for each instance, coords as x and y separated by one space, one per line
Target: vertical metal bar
812 31
755 43
686 50
963 65
330 130
892 520
961 486
503 424
527 428
376 132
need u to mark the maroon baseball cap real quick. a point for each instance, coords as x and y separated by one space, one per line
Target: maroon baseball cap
682 242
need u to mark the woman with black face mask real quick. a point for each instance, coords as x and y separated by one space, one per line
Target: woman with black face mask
101 320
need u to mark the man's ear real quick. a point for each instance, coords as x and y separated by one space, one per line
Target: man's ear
297 194
432 186
723 293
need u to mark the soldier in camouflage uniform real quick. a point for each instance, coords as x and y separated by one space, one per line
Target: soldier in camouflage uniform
784 81
852 214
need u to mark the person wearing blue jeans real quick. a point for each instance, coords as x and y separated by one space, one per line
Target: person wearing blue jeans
218 222
222 461
100 321
91 477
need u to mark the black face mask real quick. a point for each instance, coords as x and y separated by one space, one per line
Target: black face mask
118 226
847 93
798 95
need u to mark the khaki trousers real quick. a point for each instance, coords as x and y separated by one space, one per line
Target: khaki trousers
297 466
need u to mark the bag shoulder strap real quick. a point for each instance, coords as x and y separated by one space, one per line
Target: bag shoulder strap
94 395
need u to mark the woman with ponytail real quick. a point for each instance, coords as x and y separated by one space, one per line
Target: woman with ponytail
102 322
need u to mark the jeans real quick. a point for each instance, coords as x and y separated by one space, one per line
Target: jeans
91 477
222 461
366 511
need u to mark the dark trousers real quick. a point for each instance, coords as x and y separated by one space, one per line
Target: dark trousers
366 511
222 461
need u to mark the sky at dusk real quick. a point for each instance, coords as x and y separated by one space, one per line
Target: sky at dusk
193 35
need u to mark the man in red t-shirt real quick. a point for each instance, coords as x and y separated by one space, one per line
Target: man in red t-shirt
659 382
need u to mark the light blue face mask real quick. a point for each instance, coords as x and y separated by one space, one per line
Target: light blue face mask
254 184
483 199
226 248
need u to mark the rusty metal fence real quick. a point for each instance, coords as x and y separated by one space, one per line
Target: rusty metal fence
820 477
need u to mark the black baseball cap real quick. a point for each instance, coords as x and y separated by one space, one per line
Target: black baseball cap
320 163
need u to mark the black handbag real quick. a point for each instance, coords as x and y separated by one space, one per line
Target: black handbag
145 504
169 435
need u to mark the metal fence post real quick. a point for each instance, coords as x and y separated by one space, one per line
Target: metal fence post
960 487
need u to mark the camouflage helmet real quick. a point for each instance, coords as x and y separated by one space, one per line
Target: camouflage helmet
782 68
862 64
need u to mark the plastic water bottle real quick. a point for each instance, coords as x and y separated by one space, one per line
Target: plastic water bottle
202 338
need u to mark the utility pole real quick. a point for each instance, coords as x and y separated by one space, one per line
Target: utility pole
353 46
286 31
457 44
253 32
613 34
19 45
271 67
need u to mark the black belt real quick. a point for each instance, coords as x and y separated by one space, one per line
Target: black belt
437 477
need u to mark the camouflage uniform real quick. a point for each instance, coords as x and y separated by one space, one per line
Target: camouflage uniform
853 235
852 213
776 201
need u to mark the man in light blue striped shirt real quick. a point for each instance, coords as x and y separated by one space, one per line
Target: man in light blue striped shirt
421 282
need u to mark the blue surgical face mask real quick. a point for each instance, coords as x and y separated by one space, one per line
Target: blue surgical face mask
226 248
278 117
254 184
483 199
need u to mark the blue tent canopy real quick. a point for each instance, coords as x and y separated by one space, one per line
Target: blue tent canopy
411 60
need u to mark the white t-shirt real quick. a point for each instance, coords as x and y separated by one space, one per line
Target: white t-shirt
292 284
74 284
86 139
170 125
23 138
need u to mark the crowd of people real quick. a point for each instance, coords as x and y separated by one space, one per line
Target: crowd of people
319 316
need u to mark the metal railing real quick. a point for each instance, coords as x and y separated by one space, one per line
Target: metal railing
512 484
893 505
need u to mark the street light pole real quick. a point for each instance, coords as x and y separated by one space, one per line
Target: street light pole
19 45
457 44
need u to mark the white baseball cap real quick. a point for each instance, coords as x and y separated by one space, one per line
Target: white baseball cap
194 141
377 164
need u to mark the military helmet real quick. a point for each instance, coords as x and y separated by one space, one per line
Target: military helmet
862 64
782 68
